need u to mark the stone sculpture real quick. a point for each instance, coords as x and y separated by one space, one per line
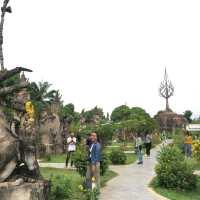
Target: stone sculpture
19 169
167 119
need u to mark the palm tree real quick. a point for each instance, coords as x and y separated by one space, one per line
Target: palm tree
42 96
54 96
4 9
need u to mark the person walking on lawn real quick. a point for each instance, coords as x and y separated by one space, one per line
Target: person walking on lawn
71 142
138 149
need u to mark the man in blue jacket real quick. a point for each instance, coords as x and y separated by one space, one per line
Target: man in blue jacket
95 158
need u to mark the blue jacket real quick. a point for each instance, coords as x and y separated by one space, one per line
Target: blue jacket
95 153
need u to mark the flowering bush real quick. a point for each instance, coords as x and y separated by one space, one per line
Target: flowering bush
196 149
173 171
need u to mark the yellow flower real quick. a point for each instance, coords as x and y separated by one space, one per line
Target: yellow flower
81 187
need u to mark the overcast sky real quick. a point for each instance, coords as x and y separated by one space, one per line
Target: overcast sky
109 52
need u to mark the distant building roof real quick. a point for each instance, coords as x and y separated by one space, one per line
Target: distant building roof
193 127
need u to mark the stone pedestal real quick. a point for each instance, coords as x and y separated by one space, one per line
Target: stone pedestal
25 191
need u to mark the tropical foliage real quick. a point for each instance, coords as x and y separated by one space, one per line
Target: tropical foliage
173 171
188 115
118 157
42 96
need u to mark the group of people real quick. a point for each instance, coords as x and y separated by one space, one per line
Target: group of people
139 143
94 156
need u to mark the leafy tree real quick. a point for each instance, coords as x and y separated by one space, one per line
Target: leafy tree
105 132
138 113
8 99
128 121
120 113
92 115
67 112
188 115
54 96
42 96
133 119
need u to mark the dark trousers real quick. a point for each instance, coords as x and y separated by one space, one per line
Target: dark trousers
148 148
69 157
188 150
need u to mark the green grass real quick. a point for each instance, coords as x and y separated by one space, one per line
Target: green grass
131 158
58 158
177 195
73 175
197 165
75 178
114 146
108 176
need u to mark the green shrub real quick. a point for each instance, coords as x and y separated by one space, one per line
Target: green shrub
61 188
80 158
156 139
47 158
104 163
91 194
81 161
173 171
178 141
118 157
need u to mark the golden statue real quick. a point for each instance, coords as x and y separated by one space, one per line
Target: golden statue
29 107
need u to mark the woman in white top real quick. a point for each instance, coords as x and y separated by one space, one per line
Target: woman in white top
71 148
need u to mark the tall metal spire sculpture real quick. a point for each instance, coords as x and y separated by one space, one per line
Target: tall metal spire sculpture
4 9
166 90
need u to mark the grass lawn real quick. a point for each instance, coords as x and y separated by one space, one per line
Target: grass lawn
131 158
75 178
58 158
73 175
197 165
114 146
178 195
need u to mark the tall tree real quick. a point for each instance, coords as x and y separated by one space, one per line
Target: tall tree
188 115
120 113
4 9
42 96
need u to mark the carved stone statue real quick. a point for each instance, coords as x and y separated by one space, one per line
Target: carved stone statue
18 163
20 177
50 130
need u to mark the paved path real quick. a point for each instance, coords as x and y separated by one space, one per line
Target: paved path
54 165
132 182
